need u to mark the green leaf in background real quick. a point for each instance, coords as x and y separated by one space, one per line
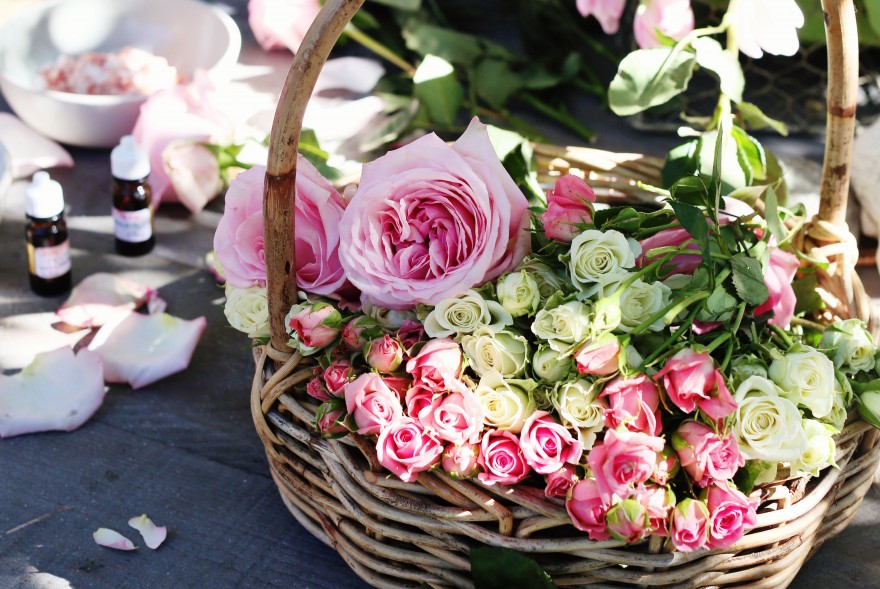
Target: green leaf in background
394 126
516 155
456 48
311 150
746 476
694 222
438 90
807 299
748 279
731 172
649 77
407 5
502 568
771 213
712 56
495 82
692 190
871 11
750 155
776 177
755 118
680 162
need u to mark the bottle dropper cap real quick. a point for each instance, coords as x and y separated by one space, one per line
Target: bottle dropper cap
44 198
129 161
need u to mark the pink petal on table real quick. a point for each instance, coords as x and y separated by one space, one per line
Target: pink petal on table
141 349
112 539
351 74
152 534
29 150
57 391
105 298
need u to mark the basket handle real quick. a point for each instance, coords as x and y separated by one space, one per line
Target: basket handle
279 193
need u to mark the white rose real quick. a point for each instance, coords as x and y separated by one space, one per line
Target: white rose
547 364
506 404
767 425
518 293
843 397
548 281
850 346
579 407
639 301
563 327
464 314
247 310
806 378
390 318
594 255
819 451
506 352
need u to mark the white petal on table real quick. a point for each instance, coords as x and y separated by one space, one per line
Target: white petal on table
112 539
152 534
57 391
105 298
30 151
358 75
141 349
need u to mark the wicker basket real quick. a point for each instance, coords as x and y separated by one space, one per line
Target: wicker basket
396 534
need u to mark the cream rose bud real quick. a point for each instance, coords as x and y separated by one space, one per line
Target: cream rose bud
767 425
518 293
807 378
639 302
506 404
563 327
247 310
506 352
579 405
849 345
743 367
547 364
464 314
548 281
390 318
596 254
819 451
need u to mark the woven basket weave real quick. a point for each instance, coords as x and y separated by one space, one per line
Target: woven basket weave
395 534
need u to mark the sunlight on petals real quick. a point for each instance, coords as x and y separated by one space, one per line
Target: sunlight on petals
152 534
105 298
112 539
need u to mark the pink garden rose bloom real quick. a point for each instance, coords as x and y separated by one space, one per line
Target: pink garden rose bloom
399 385
281 24
691 380
406 449
455 416
193 171
682 263
731 514
623 459
779 275
559 482
689 525
587 509
384 354
599 358
547 445
336 375
627 521
419 398
673 18
238 239
767 26
430 221
704 455
461 461
502 459
633 403
658 501
371 403
607 12
567 208
438 361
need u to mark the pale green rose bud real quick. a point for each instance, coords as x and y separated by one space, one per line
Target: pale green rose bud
850 346
390 318
639 302
518 293
607 315
563 327
247 310
548 365
819 451
807 378
506 351
506 403
543 396
578 405
548 281
464 314
595 254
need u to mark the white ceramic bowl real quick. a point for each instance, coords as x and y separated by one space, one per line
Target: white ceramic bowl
189 34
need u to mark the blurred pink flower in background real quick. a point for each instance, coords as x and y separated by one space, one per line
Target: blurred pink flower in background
607 12
193 171
778 276
767 25
673 18
280 24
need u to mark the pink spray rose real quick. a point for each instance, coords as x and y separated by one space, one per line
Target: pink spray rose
280 24
336 375
682 263
193 171
313 326
238 240
667 466
371 403
598 357
406 449
567 208
455 416
430 221
384 354
559 482
779 275
587 509
658 501
439 360
627 521
731 514
704 455
399 385
419 398
358 332
547 445
460 462
673 18
633 403
691 380
623 459
318 390
689 525
409 334
767 26
607 12
502 459
329 418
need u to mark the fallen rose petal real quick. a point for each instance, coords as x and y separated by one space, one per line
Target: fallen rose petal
106 298
152 534
142 349
57 391
29 150
112 539
351 74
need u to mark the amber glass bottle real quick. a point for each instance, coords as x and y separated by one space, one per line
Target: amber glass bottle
48 248
132 199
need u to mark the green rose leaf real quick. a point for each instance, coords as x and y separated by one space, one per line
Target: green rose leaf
712 56
755 118
746 476
731 171
407 5
650 77
807 299
454 47
750 155
438 90
694 222
495 82
501 568
680 162
748 279
771 213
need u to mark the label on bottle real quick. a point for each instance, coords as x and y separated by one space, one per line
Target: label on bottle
133 226
49 262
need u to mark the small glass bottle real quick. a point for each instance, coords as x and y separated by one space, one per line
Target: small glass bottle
132 198
48 248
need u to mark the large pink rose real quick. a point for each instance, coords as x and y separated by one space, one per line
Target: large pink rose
455 416
731 514
633 403
238 240
691 379
502 459
587 509
371 403
438 361
547 445
673 18
622 460
704 455
430 221
779 275
567 208
406 449
689 525
607 12
281 24
682 263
